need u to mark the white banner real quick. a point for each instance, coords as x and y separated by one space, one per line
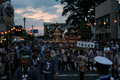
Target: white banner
85 44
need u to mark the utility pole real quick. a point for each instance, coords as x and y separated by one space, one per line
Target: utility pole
32 30
24 19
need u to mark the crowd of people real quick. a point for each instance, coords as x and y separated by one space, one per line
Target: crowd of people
43 60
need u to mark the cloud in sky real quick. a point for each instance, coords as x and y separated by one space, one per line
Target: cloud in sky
37 12
59 8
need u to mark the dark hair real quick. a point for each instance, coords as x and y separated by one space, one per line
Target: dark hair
103 69
81 52
34 50
114 50
47 51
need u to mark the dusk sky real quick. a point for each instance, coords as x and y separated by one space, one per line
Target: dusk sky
37 12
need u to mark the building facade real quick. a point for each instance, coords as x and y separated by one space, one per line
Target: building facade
107 21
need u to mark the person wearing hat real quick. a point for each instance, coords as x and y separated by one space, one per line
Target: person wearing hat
116 63
26 71
49 67
102 67
12 63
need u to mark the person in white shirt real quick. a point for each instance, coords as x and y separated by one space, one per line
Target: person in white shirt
90 59
81 59
107 52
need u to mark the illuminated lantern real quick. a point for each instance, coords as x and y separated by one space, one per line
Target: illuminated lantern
2 33
104 23
115 21
88 24
16 30
5 32
94 24
9 31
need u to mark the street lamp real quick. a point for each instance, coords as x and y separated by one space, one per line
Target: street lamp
24 19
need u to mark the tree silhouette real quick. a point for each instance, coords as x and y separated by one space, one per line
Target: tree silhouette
79 11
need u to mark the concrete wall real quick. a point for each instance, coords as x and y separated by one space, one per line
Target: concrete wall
113 16
108 7
102 9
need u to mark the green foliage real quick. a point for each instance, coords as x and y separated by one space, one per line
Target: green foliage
85 31
77 10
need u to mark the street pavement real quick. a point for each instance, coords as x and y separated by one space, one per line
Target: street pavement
74 75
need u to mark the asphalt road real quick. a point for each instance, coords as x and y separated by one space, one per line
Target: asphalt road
74 75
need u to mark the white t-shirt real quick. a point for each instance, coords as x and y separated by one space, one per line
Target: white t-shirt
106 49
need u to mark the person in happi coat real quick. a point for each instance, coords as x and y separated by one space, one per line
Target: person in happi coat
35 60
91 59
12 63
41 54
26 71
81 59
49 67
102 67
116 63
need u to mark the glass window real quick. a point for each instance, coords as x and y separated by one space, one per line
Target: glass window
107 19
